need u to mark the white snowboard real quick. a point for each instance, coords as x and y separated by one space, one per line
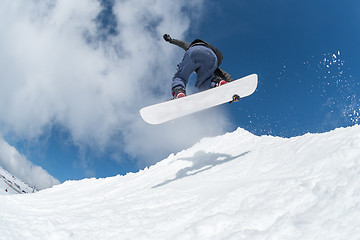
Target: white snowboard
172 109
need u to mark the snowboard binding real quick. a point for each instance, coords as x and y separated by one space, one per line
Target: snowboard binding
235 98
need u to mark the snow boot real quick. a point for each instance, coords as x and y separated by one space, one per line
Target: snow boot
178 92
217 81
222 82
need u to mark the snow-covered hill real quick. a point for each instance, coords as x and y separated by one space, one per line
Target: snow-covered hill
9 184
236 186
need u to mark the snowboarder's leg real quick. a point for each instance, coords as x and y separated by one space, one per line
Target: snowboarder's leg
185 68
206 62
200 59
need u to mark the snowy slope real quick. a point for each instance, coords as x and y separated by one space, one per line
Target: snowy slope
236 186
9 184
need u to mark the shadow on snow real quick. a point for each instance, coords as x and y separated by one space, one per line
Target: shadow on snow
202 161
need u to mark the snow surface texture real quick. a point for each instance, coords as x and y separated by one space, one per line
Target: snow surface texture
236 186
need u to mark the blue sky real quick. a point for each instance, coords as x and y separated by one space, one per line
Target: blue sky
305 53
286 44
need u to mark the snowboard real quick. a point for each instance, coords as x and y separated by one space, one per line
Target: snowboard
172 109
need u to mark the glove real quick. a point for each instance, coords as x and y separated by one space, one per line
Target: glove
167 37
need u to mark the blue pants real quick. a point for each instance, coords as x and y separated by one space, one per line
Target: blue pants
199 58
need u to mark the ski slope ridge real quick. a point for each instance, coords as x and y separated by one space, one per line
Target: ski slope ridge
235 186
9 184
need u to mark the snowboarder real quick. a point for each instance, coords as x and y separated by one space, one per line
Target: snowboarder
202 58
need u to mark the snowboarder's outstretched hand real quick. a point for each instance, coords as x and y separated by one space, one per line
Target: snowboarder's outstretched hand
167 37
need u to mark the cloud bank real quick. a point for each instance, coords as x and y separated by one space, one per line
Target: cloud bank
17 164
60 66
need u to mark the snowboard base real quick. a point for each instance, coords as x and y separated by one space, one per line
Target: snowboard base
172 109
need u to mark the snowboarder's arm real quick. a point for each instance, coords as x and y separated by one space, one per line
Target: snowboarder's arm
223 75
184 45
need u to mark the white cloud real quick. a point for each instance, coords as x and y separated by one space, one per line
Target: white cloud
55 70
19 166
